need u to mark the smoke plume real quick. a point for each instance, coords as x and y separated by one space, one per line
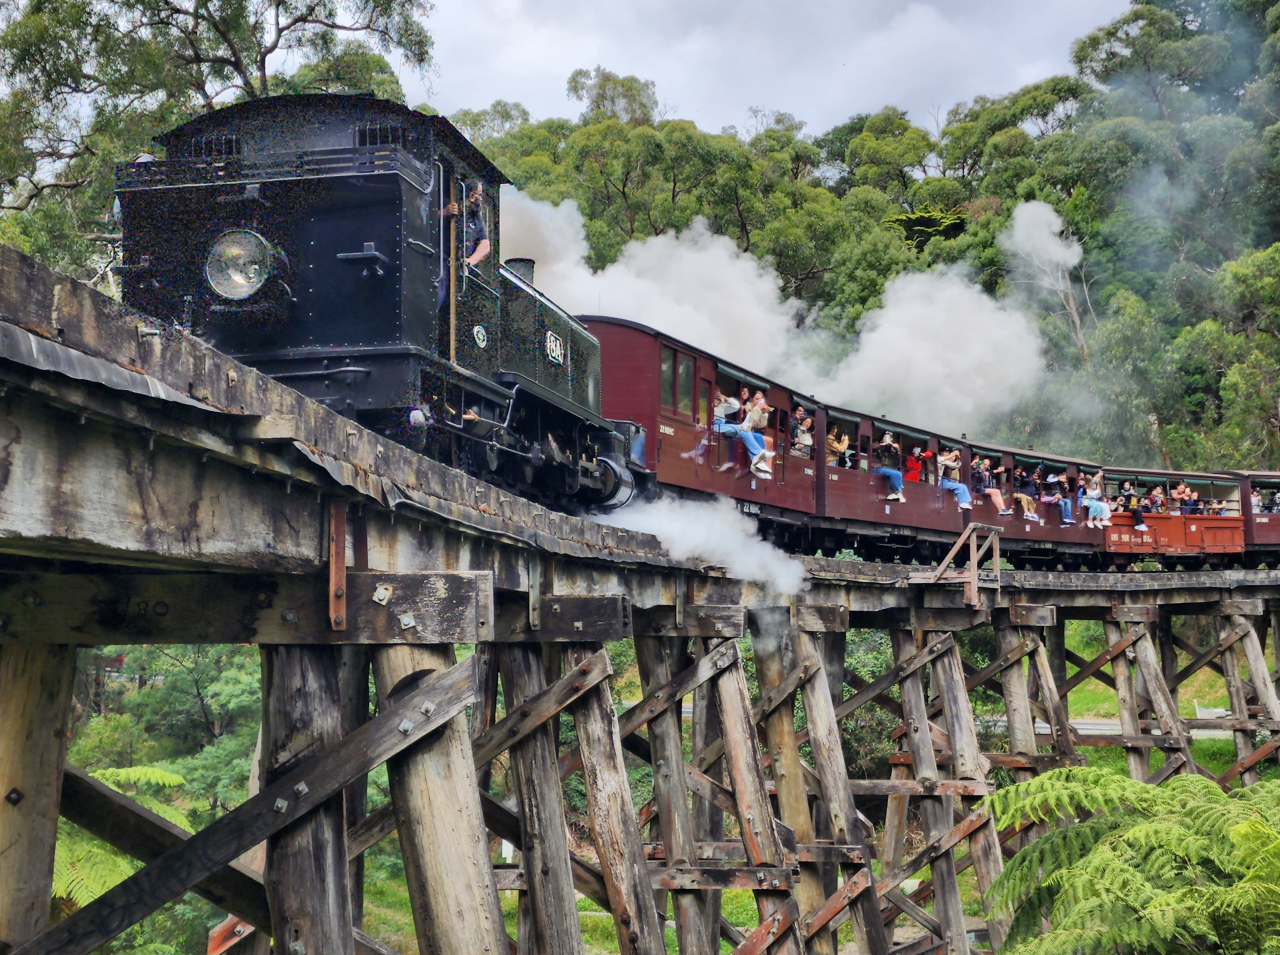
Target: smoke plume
940 354
716 532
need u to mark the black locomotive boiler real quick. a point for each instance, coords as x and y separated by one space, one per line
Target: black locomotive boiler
323 239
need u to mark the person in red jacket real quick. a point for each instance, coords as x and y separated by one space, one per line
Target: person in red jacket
914 464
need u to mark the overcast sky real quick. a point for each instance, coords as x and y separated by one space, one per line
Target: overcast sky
823 60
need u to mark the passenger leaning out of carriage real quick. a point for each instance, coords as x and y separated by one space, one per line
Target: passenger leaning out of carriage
837 444
802 441
1025 493
983 479
1178 498
1054 491
1129 502
949 464
1155 501
914 464
722 411
798 417
889 453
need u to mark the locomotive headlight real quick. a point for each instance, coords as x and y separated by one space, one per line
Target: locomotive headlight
239 263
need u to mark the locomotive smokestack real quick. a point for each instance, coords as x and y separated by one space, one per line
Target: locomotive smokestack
522 268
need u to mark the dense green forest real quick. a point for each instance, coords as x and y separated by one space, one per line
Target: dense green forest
1160 153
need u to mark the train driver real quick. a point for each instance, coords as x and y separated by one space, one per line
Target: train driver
475 237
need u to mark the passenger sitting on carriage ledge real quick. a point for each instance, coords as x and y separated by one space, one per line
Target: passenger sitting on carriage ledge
1156 503
889 453
721 410
949 462
914 464
983 480
1024 492
1128 502
836 446
1054 491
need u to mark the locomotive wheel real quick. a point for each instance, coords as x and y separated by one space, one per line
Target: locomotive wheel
491 456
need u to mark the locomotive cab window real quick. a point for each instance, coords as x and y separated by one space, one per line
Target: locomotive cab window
667 378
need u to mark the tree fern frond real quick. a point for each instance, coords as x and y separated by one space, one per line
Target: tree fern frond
139 776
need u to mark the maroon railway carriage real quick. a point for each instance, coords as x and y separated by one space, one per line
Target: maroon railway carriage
665 386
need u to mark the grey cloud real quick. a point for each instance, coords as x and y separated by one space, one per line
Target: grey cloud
713 60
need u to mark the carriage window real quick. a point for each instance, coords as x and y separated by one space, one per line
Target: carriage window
684 387
864 452
667 378
704 403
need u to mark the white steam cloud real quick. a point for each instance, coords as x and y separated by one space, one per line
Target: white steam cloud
940 353
716 532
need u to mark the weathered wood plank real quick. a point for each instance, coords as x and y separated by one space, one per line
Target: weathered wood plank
542 840
742 764
565 619
435 798
307 875
432 607
708 819
280 804
139 833
660 698
1239 703
838 802
1259 676
770 628
35 706
612 818
1138 760
700 620
675 821
947 906
1017 705
969 763
537 710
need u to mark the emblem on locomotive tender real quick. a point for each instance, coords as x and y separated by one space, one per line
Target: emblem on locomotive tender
481 336
555 348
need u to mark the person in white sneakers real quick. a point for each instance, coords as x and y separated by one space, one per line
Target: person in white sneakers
949 462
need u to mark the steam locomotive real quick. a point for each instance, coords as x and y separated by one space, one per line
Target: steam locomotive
325 240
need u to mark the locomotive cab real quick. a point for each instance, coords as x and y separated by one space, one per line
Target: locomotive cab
311 237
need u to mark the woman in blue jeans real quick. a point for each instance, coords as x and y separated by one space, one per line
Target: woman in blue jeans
889 453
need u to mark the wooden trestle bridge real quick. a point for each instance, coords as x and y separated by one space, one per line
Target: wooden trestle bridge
153 490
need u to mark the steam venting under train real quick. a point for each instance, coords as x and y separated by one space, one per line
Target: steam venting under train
337 244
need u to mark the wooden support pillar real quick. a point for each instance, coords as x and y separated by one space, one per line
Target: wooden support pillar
1165 711
708 818
306 877
968 763
675 822
833 773
613 817
1122 673
35 704
947 908
544 845
1055 639
1055 706
1259 676
442 834
353 684
1238 699
1017 703
1168 654
831 647
485 710
742 764
769 628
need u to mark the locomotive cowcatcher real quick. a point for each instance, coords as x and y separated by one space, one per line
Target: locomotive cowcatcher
323 240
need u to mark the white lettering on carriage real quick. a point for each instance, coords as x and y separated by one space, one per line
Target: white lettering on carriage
667 429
